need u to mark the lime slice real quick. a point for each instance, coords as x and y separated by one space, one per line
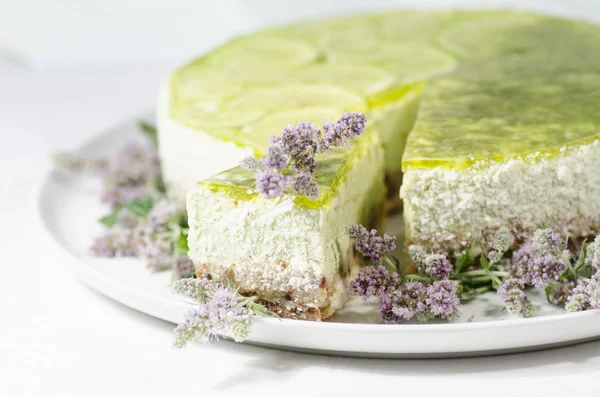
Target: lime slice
256 134
361 44
205 87
263 50
367 80
297 96
414 62
195 115
490 35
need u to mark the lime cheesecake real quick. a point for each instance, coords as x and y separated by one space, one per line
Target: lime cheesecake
289 251
489 119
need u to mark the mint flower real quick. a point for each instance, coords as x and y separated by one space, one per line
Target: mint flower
442 299
290 158
271 184
305 184
217 316
349 126
542 261
157 251
163 215
513 295
301 141
184 267
585 296
276 157
547 242
252 164
433 265
373 281
500 245
593 254
115 242
133 174
127 219
405 303
218 310
369 244
542 269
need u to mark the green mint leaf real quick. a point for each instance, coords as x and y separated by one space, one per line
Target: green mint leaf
484 262
140 207
181 245
582 255
150 131
465 261
109 220
548 289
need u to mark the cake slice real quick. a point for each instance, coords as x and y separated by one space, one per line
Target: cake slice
292 252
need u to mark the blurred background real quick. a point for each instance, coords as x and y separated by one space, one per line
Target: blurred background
161 34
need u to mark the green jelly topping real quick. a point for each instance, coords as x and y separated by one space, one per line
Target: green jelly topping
330 174
498 84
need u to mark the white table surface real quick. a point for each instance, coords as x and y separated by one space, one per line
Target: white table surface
60 338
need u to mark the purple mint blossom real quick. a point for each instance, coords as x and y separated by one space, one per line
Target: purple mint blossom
114 194
500 244
276 157
593 254
442 299
540 262
305 184
116 242
196 288
271 184
156 251
405 303
579 299
163 214
433 265
437 266
349 126
221 314
520 257
369 244
547 242
135 163
252 164
373 281
513 295
127 219
585 296
184 267
133 174
301 141
542 269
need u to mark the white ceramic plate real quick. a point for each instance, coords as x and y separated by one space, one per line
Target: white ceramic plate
69 207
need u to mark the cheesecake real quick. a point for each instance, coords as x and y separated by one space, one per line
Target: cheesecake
293 251
486 120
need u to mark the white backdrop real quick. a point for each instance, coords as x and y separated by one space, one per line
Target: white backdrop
117 33
72 68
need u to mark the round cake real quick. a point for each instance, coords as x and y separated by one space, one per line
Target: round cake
489 119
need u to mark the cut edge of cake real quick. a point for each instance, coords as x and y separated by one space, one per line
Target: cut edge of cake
295 257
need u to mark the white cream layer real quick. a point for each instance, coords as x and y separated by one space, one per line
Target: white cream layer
190 155
446 209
